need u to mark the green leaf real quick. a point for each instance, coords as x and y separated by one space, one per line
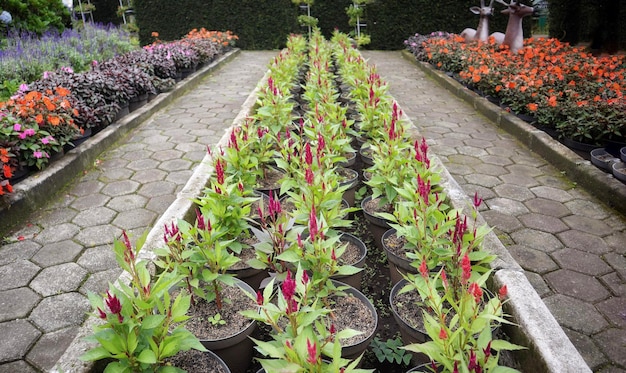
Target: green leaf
147 357
96 353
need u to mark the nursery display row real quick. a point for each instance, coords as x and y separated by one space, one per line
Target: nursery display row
278 230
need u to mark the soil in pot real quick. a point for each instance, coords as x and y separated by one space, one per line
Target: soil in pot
242 270
354 254
270 183
399 263
229 340
348 177
199 361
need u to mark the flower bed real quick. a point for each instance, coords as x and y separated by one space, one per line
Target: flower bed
52 114
559 87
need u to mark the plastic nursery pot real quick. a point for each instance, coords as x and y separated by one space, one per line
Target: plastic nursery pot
398 265
408 333
350 179
355 279
377 226
237 349
354 350
199 361
350 160
622 154
619 171
603 159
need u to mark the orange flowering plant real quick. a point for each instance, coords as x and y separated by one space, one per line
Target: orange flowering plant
564 87
41 123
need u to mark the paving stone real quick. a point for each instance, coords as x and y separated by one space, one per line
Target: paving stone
17 303
514 192
472 151
613 344
148 176
615 284
57 253
61 278
507 206
94 216
538 284
98 258
551 193
464 160
585 224
482 180
532 260
127 202
587 208
141 218
611 369
490 169
17 366
166 155
584 242
119 188
143 164
57 217
157 148
60 311
614 309
581 261
575 314
519 169
155 139
176 165
618 262
138 152
99 235
587 348
17 337
84 203
161 203
521 180
86 188
19 250
99 282
547 207
115 174
17 274
190 146
543 223
49 348
577 285
537 240
157 188
459 169
57 233
179 177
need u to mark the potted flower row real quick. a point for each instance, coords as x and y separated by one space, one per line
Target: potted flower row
304 243
438 263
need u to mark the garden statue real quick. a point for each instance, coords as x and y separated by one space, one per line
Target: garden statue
514 36
482 31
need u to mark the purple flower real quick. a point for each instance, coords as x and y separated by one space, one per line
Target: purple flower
23 87
17 127
46 75
45 141
29 132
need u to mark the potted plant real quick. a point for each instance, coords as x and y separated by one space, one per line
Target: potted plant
460 325
141 325
200 252
303 336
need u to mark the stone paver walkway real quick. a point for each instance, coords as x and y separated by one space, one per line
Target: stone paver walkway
571 246
47 267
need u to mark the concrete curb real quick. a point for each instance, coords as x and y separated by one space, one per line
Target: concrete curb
182 208
603 186
35 191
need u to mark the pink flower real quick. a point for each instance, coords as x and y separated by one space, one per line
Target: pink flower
502 292
312 350
313 224
423 269
308 176
17 127
476 291
45 141
467 268
114 304
443 334
219 171
37 154
259 298
477 201
289 286
29 132
308 155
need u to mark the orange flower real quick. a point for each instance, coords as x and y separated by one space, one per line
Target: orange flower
552 101
532 106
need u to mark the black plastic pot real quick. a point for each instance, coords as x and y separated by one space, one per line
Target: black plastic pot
377 226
